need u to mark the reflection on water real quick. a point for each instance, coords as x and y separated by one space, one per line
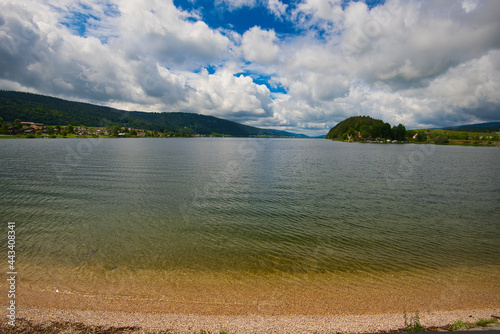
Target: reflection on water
178 210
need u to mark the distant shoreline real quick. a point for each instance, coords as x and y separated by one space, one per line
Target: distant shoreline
451 143
137 137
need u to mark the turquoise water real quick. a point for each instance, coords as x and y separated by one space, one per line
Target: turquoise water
248 206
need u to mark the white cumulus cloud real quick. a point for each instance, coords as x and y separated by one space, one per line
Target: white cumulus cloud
260 46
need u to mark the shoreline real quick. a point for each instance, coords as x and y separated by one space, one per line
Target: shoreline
227 295
139 322
365 311
451 143
180 302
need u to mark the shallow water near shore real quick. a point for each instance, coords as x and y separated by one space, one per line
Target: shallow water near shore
240 218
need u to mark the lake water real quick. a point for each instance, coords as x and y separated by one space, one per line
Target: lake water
125 217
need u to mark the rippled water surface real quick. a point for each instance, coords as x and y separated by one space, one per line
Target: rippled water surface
248 206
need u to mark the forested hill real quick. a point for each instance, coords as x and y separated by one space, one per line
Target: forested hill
482 127
355 123
366 127
54 111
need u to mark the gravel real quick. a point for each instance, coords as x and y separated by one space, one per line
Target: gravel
51 320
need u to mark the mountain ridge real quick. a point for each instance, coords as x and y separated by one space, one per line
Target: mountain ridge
479 127
49 110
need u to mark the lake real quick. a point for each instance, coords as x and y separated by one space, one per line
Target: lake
255 221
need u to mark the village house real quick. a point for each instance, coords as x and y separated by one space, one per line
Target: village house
32 125
101 132
13 130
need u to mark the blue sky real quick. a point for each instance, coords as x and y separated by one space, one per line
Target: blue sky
300 65
241 18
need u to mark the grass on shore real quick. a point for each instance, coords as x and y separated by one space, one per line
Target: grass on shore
412 324
44 136
460 325
457 133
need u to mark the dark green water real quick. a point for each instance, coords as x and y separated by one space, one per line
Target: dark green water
256 206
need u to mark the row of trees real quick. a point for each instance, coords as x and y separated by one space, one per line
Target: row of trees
384 131
379 130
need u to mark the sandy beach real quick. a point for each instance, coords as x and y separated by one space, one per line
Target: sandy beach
184 323
292 309
290 304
